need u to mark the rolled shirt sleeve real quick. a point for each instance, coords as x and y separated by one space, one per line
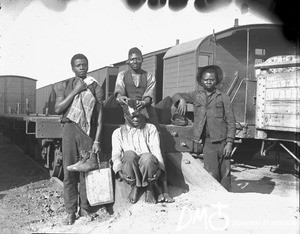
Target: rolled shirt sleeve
150 89
116 150
120 85
154 145
60 89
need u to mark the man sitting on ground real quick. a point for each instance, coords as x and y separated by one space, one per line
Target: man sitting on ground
136 154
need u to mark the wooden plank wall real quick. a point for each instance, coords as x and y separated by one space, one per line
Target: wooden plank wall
14 90
30 94
149 64
281 105
13 93
42 98
179 74
2 95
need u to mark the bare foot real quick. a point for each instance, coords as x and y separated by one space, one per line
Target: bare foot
133 195
165 192
70 219
89 216
149 198
168 198
160 196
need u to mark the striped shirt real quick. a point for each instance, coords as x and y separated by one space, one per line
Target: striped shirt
139 140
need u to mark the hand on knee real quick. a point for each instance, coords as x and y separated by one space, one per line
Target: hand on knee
155 176
126 178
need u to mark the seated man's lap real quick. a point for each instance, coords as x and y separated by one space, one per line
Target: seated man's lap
146 164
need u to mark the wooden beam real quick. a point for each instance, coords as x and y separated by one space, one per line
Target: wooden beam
185 171
121 192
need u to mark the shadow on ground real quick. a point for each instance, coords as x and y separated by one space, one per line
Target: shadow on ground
16 169
265 185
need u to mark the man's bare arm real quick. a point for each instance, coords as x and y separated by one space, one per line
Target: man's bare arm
97 142
62 103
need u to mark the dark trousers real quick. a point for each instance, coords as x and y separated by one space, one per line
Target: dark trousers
214 162
73 141
139 167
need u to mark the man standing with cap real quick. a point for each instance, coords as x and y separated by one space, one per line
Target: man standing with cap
214 122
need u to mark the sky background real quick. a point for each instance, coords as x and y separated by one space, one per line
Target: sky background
39 37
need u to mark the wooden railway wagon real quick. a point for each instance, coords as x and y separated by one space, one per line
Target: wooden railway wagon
236 50
277 105
17 94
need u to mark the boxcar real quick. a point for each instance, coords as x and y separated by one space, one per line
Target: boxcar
236 50
17 94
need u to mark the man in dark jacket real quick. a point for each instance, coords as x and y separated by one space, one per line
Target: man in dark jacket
214 122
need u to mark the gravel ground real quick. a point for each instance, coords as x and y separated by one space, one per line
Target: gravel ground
29 199
31 202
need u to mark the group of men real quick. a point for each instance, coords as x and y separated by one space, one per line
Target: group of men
136 153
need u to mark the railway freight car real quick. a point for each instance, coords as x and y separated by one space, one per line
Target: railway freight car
236 50
17 95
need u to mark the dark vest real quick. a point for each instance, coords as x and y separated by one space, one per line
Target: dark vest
132 91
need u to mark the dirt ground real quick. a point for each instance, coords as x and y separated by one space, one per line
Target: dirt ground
29 199
32 203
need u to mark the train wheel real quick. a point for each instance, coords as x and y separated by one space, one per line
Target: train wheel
56 169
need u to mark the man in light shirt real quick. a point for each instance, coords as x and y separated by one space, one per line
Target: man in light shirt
136 154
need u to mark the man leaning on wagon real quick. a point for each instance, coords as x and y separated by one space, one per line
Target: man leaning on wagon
214 122
79 100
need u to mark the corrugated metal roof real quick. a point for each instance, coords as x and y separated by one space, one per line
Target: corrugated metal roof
184 48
